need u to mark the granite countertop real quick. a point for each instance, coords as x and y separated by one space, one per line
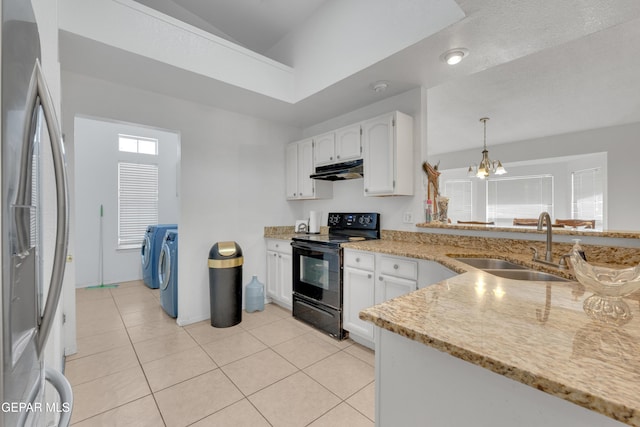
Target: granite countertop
286 232
533 332
571 231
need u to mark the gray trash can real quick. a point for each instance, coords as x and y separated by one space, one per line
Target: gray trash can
225 284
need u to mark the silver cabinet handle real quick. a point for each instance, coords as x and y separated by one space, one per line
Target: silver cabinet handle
380 278
395 266
366 189
277 245
331 158
39 96
337 157
368 276
357 259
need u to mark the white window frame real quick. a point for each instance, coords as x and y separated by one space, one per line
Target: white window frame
138 139
137 202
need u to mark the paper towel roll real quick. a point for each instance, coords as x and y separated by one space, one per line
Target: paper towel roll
314 221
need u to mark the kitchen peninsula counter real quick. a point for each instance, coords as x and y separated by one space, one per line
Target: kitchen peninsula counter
535 333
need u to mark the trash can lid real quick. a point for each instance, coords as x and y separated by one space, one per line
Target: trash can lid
225 252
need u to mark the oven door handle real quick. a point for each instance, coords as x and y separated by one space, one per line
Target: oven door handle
314 248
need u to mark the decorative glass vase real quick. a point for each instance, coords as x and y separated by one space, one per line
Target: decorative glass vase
609 287
443 205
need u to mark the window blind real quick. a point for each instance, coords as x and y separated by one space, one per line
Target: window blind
137 202
586 195
518 197
460 200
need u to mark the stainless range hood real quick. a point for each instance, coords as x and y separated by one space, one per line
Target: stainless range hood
339 171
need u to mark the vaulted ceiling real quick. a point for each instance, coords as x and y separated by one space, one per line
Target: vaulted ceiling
536 68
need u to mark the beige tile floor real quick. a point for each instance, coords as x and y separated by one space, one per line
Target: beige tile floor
136 367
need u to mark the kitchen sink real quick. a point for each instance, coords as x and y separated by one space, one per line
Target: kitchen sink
491 263
509 270
525 275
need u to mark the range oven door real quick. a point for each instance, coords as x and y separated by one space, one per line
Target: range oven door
317 273
321 316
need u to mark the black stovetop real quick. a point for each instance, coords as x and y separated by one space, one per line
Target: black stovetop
346 227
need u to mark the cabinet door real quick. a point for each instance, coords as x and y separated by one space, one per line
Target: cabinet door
306 185
431 272
348 144
272 274
359 291
325 149
286 278
291 165
379 156
388 287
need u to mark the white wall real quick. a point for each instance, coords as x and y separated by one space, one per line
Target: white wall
341 38
348 196
619 142
133 27
96 184
232 175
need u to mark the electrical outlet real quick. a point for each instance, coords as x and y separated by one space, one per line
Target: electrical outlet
408 218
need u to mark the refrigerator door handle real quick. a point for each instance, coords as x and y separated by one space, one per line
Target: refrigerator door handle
62 386
39 96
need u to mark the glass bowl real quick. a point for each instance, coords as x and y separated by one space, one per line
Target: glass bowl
609 286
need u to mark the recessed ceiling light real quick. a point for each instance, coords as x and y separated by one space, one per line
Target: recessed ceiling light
454 56
379 86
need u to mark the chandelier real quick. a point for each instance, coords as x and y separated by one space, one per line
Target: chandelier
486 166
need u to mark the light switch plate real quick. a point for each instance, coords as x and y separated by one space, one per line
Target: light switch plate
408 218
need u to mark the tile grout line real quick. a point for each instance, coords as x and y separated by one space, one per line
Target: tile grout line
133 348
141 368
309 332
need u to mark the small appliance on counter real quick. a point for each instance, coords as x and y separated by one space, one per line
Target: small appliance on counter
315 217
302 226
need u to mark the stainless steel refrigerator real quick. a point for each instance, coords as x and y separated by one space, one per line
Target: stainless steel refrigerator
26 312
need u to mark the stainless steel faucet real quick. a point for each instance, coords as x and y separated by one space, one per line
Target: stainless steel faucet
548 256
544 216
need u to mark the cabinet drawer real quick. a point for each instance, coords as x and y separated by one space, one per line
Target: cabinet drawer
362 260
277 245
399 268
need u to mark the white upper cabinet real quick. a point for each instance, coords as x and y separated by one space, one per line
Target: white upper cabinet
306 185
387 143
348 143
291 164
299 165
338 146
325 149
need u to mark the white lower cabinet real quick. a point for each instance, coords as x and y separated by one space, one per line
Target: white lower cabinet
371 278
358 295
279 272
389 287
430 272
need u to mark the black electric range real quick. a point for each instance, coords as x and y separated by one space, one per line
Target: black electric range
317 269
346 227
